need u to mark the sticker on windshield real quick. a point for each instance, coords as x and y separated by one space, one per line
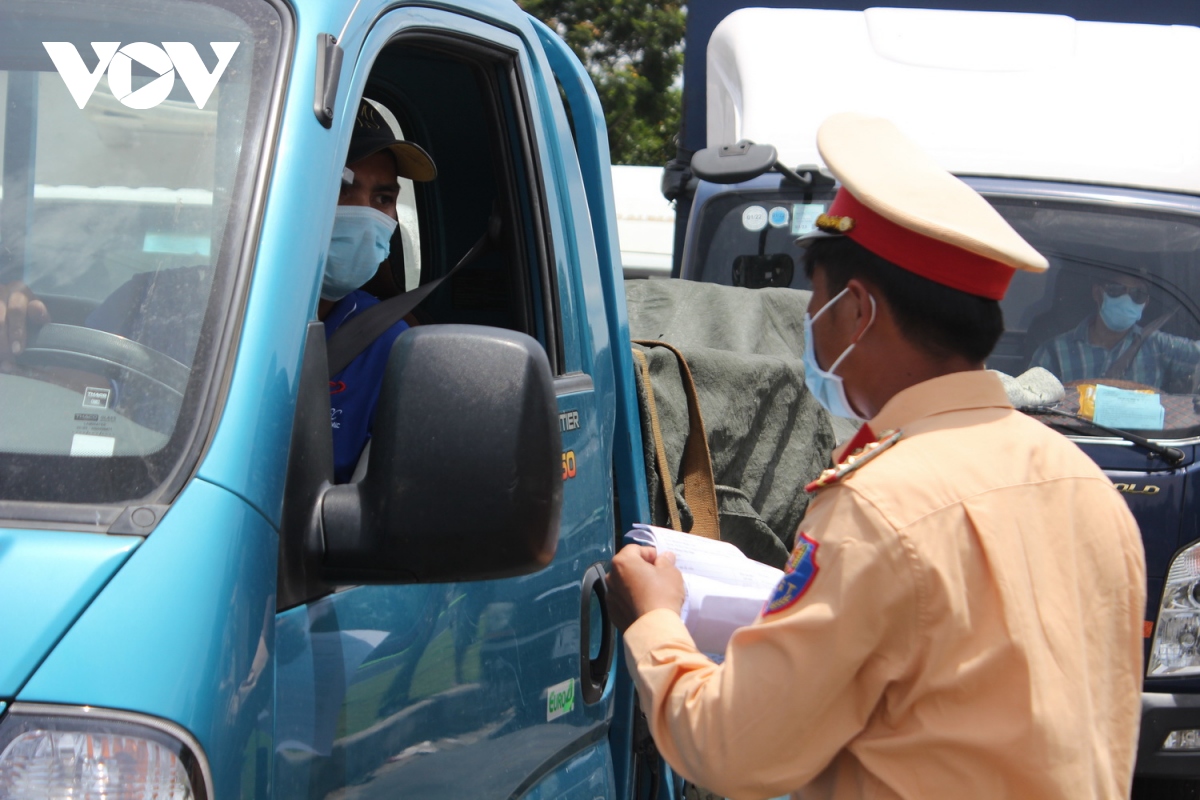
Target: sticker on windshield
778 217
88 446
754 218
96 398
560 699
804 217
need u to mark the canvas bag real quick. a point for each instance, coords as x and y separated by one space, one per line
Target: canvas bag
730 432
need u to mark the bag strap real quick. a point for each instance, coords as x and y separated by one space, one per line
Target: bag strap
660 449
699 487
348 341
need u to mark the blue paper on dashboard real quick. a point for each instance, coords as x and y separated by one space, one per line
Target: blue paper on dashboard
1122 408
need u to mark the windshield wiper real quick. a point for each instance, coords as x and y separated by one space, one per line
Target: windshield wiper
1171 455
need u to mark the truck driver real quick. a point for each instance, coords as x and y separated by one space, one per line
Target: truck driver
1110 342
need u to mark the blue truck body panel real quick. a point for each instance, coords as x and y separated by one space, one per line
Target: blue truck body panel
42 609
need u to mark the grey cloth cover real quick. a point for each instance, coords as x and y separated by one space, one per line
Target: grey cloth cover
767 434
1035 386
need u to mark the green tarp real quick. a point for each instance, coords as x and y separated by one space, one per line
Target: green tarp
768 437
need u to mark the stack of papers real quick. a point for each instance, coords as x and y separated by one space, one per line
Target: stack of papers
725 590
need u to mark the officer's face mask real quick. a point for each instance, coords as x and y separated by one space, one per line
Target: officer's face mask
361 239
824 384
1120 313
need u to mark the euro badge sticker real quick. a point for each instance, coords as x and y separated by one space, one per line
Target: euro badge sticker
799 573
560 699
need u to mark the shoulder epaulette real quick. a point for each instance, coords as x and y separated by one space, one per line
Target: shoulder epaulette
854 460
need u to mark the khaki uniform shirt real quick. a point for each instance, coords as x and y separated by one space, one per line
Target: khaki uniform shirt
971 627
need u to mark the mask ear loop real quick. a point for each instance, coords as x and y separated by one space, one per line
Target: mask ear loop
828 305
857 339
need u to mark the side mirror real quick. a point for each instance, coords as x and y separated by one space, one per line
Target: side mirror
733 163
464 478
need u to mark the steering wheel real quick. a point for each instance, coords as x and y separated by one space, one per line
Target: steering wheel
103 353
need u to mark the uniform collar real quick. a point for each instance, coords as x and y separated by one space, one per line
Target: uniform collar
957 391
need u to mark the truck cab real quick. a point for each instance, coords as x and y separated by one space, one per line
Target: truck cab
189 605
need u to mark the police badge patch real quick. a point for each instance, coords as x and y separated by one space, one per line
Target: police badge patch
798 575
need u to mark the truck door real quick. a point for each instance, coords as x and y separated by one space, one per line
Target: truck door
490 688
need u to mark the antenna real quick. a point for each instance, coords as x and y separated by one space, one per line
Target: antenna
348 18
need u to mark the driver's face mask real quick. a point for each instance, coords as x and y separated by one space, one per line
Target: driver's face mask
1120 313
825 386
361 239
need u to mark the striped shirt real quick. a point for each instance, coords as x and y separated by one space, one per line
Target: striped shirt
1165 360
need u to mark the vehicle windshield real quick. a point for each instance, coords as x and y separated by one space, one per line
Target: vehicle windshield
131 132
1116 318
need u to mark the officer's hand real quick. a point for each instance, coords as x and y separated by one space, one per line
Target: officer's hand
642 580
19 308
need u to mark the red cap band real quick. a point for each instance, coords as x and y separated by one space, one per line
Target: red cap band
930 258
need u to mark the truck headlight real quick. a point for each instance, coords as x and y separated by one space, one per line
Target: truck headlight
87 753
1176 646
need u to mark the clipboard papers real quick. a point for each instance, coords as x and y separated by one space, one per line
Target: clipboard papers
725 590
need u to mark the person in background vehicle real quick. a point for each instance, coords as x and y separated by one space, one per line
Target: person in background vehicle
362 231
1111 344
962 613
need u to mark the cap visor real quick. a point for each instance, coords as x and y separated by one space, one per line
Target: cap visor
413 162
813 235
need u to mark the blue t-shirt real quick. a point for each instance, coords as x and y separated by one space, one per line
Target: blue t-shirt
354 392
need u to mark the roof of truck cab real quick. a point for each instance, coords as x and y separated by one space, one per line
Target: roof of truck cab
1018 95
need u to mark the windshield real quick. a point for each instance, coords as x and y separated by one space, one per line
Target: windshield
746 238
1116 318
130 135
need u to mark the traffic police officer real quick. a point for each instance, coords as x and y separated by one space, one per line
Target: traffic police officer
962 612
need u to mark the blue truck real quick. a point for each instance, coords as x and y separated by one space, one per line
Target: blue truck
189 606
1020 105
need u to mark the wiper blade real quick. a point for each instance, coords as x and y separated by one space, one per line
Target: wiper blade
1171 455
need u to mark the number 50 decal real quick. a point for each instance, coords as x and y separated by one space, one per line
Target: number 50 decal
568 465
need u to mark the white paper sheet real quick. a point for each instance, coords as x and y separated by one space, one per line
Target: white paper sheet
725 590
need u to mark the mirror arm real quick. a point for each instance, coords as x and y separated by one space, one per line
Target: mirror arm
790 174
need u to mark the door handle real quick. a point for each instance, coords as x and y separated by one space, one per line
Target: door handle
594 671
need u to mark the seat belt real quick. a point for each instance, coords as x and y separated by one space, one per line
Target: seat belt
359 333
1121 365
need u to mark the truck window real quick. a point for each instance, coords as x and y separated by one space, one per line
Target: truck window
130 144
463 104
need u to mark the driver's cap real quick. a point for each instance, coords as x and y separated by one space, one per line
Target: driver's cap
372 134
898 203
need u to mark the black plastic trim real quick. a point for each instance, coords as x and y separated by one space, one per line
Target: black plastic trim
1161 714
594 672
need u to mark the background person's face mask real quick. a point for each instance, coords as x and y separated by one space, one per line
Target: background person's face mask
361 239
825 386
1120 313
